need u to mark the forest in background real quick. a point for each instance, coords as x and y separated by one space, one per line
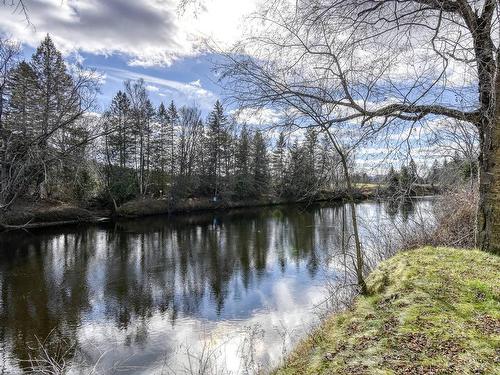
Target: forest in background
55 147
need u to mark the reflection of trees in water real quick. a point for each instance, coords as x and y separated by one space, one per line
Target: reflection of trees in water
130 270
400 206
43 287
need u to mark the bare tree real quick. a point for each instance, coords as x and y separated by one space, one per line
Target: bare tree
191 127
256 84
384 62
18 6
459 139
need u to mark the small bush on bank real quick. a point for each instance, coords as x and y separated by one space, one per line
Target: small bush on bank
455 214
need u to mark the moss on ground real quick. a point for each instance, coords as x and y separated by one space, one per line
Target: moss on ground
431 311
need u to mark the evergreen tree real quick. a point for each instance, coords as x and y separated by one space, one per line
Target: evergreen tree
243 180
296 181
329 173
310 150
59 107
413 172
55 88
392 180
216 146
260 165
173 123
405 180
119 127
433 175
119 148
22 108
278 164
164 137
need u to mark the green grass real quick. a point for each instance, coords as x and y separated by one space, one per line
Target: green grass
430 311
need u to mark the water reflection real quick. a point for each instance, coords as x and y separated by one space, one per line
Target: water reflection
140 295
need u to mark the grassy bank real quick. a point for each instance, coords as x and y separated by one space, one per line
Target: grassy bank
431 311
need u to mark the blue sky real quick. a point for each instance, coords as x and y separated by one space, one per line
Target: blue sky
187 81
129 39
156 40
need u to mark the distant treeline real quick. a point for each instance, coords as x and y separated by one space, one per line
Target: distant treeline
172 151
53 146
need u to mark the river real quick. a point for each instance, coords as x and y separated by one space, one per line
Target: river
229 292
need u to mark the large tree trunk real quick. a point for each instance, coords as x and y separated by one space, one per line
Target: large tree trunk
489 189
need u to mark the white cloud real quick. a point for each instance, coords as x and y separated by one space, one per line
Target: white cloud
196 83
186 93
149 32
257 116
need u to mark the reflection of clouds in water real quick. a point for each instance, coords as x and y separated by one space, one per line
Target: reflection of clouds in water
167 343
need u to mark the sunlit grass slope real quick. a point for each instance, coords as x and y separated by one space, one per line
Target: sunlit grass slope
431 311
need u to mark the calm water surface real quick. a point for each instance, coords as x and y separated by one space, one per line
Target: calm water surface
163 295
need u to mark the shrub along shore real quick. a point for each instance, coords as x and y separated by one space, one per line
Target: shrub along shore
430 311
43 214
52 213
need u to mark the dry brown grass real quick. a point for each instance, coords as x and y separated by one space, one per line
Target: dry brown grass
455 222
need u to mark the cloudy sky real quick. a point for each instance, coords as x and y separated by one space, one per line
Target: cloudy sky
156 40
151 39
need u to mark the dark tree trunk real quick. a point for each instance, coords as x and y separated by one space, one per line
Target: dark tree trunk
489 188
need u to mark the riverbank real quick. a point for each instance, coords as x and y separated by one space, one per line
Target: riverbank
29 215
150 207
431 311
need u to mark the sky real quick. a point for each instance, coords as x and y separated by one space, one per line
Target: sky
158 40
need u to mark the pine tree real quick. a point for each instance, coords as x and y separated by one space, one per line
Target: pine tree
260 165
17 161
392 180
55 88
22 108
59 108
294 178
412 171
243 179
118 124
163 137
278 164
433 176
328 174
149 116
310 150
404 180
173 123
216 146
